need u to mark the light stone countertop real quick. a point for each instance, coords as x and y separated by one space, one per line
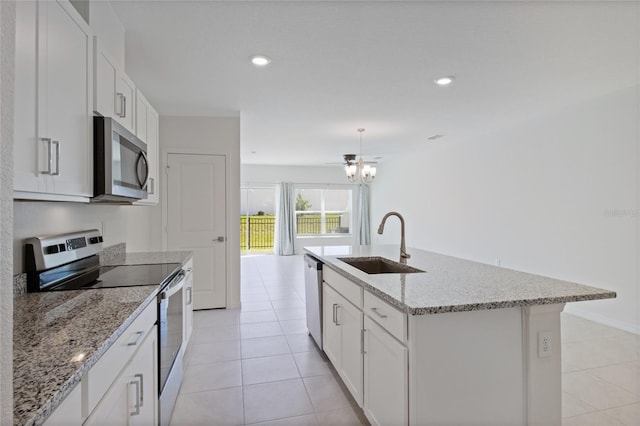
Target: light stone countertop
51 328
451 284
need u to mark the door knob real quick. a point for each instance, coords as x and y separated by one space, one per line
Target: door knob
218 240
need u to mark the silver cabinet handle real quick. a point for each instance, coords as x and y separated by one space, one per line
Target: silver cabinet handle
124 107
151 187
218 240
190 294
136 383
57 172
121 98
335 314
139 335
375 311
141 377
362 341
50 160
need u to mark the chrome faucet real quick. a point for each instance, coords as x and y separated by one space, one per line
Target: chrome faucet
403 248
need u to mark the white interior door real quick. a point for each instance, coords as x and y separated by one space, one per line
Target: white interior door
197 222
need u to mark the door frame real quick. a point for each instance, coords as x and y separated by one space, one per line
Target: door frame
232 248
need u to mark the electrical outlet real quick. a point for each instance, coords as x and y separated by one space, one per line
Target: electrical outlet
545 346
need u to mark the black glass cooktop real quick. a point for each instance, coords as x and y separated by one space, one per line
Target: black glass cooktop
88 274
133 275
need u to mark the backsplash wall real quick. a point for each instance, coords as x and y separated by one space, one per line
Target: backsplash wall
118 224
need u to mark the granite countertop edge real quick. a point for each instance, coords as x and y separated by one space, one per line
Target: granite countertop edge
56 399
39 415
330 262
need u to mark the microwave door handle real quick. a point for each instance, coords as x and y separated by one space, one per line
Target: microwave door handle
143 157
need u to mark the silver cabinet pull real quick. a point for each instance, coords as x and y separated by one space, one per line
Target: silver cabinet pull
50 160
120 113
139 335
151 187
141 377
190 294
57 172
375 311
136 383
335 314
362 351
124 107
218 240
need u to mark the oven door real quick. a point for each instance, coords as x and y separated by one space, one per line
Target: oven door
170 315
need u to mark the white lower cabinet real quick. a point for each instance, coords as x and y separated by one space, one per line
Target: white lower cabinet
366 351
386 377
69 412
343 339
131 399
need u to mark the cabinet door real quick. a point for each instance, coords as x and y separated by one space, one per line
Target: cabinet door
141 116
131 399
350 320
144 368
65 50
69 412
125 102
386 384
147 122
331 340
27 148
105 75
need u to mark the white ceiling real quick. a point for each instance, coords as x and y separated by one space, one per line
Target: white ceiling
342 65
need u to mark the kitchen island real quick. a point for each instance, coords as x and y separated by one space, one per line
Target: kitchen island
59 336
459 343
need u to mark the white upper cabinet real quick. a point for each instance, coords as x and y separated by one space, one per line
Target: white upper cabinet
53 154
147 122
115 93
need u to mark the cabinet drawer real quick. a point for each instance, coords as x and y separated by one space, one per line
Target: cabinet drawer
350 290
389 317
101 375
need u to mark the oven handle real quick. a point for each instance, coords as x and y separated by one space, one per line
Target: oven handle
174 286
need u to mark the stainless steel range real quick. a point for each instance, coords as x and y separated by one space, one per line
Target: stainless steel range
70 262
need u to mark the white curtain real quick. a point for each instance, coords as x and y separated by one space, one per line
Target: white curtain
286 220
364 236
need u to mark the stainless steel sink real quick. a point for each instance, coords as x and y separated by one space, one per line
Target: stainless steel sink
379 265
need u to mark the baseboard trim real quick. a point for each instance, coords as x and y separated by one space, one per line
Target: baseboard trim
603 319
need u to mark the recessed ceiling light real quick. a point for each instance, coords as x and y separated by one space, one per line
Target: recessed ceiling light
444 81
260 60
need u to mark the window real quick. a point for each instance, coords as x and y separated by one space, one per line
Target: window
257 220
323 211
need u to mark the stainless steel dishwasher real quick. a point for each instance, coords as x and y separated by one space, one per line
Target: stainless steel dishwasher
313 296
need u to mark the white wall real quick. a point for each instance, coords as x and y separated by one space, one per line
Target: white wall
306 177
128 224
208 135
252 173
7 43
556 195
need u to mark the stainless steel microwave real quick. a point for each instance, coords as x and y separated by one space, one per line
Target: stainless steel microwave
120 167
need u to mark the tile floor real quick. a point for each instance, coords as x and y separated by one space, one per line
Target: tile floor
256 365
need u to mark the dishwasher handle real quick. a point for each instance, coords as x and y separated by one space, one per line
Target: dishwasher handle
312 262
